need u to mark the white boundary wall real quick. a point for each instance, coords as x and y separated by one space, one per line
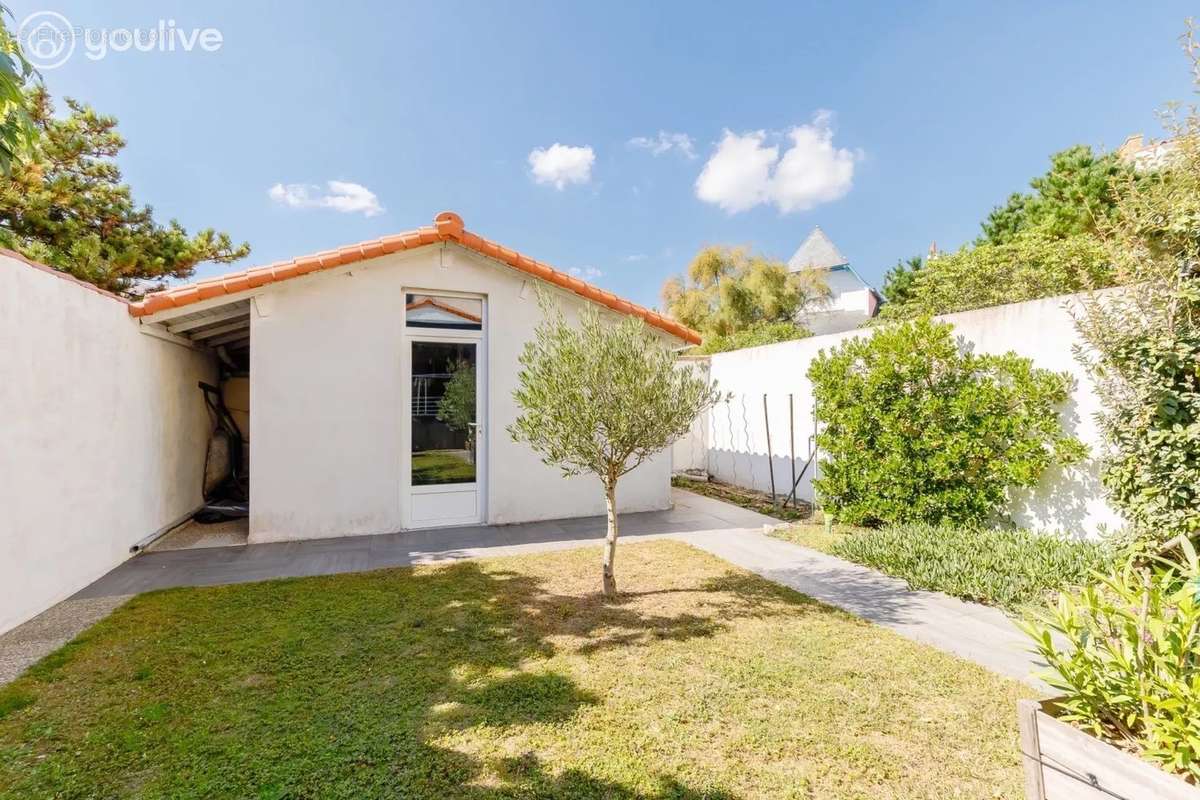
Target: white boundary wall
1070 501
103 435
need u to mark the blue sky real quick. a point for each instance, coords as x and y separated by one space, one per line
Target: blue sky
890 126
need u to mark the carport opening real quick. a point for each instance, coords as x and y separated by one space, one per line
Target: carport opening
227 460
223 331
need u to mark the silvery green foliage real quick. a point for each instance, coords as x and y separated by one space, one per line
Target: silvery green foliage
602 397
1006 567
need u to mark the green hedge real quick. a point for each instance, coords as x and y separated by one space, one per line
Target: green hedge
1002 567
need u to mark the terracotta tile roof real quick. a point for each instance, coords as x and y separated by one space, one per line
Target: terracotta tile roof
447 227
431 303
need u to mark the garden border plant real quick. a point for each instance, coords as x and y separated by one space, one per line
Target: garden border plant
1130 676
1130 667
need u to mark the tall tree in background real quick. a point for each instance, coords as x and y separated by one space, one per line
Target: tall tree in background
602 398
728 291
65 206
1069 200
1036 245
899 280
16 126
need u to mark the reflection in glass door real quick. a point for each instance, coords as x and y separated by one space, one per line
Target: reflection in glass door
443 413
445 474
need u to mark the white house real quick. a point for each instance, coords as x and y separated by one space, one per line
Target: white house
853 301
349 355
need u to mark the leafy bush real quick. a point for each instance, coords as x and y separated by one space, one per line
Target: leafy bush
759 333
1143 344
1002 567
1151 422
1131 670
1030 266
916 430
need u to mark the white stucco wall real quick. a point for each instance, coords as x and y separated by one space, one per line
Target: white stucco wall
1042 330
690 452
104 435
328 401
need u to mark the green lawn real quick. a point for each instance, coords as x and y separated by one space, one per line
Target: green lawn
814 535
506 678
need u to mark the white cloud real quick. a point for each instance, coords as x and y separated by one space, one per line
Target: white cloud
813 171
586 273
635 257
745 171
562 164
343 196
665 142
738 176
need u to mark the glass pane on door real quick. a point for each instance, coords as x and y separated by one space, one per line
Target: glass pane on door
443 413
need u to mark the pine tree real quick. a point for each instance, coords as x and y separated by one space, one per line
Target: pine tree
65 206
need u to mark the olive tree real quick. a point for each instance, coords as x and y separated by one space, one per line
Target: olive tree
600 399
457 406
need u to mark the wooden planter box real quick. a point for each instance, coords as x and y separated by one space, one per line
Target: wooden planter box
1064 763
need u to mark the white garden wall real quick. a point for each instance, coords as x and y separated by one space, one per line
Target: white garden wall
1042 330
104 435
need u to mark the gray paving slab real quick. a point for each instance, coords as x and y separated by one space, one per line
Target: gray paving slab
974 632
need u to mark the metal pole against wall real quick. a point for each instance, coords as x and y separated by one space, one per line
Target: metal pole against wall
770 461
791 442
816 461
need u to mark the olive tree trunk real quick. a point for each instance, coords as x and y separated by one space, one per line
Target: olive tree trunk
610 541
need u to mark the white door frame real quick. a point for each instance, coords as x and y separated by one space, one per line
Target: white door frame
482 431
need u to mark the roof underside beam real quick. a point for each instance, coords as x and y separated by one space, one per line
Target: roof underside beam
211 319
208 333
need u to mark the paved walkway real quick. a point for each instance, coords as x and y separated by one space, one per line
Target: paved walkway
26 644
978 633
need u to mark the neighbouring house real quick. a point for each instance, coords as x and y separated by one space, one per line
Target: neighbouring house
381 380
852 301
1146 156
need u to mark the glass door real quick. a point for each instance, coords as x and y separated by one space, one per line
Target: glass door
444 432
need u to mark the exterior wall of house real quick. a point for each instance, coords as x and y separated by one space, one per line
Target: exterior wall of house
329 401
852 303
104 439
1071 501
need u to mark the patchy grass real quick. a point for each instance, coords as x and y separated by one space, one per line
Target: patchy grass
746 498
508 678
812 534
1001 567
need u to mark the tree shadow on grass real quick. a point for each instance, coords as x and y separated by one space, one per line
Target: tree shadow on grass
382 684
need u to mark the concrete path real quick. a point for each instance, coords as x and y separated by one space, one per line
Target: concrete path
25 645
974 632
